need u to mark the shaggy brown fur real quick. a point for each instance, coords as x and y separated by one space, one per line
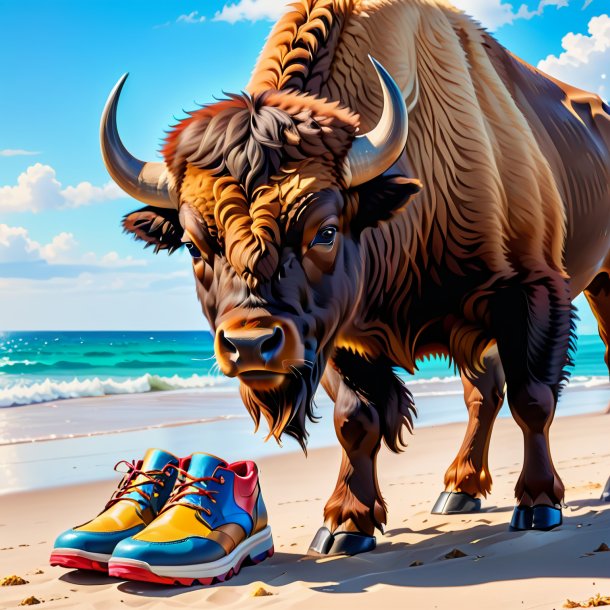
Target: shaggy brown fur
257 143
483 254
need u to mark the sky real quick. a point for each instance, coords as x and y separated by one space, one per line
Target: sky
64 262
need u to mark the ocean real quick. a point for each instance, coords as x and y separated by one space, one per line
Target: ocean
44 366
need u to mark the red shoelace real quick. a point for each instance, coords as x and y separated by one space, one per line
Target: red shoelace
128 483
186 485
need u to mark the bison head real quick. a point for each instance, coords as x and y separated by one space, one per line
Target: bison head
270 193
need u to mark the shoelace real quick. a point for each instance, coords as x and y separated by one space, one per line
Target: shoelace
128 482
186 486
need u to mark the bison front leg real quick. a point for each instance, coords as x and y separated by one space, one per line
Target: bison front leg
355 508
468 478
370 404
533 325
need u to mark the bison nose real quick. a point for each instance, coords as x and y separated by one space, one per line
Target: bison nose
251 349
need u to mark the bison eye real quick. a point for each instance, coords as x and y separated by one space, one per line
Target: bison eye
324 237
193 249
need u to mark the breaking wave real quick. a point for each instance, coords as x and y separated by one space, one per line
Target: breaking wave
43 391
582 381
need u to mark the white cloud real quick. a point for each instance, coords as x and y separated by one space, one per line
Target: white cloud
17 152
102 282
85 193
525 13
585 61
112 260
251 10
493 14
16 246
193 17
38 189
61 249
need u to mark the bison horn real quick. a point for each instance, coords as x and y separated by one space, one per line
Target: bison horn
376 151
146 182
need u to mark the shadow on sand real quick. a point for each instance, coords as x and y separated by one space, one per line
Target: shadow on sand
492 554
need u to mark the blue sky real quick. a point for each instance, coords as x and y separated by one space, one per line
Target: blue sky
64 263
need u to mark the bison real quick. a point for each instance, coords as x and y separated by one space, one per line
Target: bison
344 222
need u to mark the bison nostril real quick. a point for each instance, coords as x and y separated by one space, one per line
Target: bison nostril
227 343
271 345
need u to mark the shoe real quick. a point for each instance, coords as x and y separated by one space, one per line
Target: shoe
214 522
140 496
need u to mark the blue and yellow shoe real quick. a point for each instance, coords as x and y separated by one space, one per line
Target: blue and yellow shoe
214 522
139 498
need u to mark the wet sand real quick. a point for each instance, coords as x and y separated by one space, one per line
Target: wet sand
79 440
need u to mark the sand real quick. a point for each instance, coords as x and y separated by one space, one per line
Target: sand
500 569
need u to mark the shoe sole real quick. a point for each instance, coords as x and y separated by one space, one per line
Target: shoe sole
79 560
250 552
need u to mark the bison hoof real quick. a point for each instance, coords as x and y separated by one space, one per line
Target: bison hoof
539 517
606 493
341 543
456 503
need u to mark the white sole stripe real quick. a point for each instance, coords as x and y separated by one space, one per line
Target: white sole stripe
102 557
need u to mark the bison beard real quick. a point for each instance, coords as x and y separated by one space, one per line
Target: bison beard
287 406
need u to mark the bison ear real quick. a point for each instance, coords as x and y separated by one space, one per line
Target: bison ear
382 197
157 227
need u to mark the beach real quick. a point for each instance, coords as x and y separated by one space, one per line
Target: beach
66 480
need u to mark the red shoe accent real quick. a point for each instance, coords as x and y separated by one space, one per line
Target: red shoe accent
77 563
129 572
245 486
256 560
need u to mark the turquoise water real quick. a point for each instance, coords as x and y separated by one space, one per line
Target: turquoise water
40 366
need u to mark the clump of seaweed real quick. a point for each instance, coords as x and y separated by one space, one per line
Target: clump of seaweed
455 554
12 581
30 601
592 602
261 592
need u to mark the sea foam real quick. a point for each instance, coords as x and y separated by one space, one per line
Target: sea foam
31 393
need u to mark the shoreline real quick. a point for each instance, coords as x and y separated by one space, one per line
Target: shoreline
89 435
268 449
434 391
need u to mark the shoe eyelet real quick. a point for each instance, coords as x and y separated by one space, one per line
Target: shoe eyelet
222 480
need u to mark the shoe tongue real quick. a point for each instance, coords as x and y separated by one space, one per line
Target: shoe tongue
157 459
204 465
201 465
